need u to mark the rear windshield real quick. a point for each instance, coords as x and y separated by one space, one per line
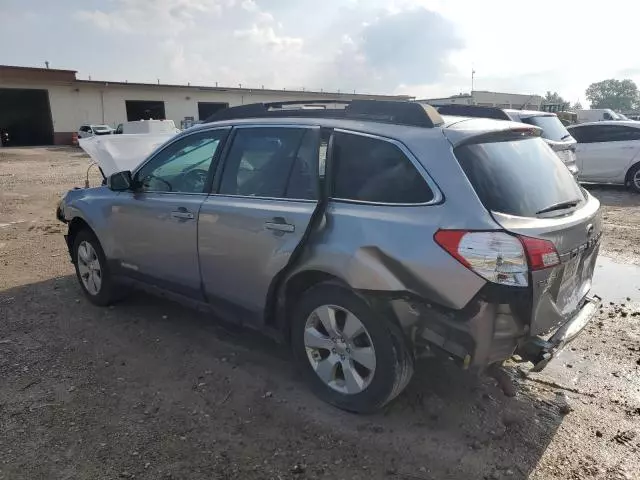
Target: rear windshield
101 127
519 177
552 127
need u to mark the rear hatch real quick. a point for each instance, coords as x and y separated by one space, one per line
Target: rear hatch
530 193
557 137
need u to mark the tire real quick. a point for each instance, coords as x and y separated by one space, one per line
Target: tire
99 287
634 178
381 340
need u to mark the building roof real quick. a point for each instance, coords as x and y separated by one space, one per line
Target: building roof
10 72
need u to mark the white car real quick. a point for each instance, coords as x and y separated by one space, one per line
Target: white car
608 152
86 131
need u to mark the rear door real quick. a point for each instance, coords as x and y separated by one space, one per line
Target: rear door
605 151
266 196
529 192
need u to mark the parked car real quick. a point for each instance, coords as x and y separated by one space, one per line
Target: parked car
365 236
598 115
607 152
554 132
86 131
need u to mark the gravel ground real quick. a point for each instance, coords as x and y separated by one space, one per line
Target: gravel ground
149 389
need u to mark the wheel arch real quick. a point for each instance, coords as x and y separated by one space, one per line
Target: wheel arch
283 296
76 225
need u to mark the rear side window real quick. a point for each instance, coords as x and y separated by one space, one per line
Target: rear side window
552 127
374 170
519 177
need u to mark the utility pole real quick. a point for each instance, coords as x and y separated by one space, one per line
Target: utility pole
473 74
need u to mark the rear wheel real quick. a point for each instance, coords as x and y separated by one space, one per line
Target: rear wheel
353 357
92 269
634 178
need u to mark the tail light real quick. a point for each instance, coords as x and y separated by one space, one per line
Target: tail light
498 256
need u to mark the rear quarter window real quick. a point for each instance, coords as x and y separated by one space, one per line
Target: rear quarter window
518 177
374 170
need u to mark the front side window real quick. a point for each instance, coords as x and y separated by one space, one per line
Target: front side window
374 170
183 166
261 161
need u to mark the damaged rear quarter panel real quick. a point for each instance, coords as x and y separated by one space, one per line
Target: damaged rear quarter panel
390 249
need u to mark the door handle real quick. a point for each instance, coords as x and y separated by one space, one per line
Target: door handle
182 214
279 224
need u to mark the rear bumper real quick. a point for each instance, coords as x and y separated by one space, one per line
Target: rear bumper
489 331
540 352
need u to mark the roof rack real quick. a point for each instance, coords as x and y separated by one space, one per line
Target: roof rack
473 111
412 113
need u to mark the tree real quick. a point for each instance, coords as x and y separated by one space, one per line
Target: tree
576 106
554 98
619 95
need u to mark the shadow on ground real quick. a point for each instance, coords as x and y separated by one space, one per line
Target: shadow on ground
151 389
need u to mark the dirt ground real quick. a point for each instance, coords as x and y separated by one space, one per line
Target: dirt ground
149 389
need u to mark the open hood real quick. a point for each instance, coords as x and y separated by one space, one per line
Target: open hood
117 153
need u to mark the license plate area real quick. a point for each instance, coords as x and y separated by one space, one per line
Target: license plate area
576 280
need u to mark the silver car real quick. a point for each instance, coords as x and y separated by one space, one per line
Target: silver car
364 235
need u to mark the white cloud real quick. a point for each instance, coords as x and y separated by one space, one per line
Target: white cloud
421 47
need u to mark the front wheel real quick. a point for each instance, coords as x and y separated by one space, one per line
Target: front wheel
92 269
352 356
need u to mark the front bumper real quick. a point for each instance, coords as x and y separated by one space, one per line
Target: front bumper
540 352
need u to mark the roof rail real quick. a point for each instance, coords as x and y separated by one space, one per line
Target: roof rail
473 111
412 113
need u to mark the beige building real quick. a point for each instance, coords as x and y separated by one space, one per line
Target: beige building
40 106
492 99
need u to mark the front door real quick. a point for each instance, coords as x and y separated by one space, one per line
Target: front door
607 151
156 226
265 200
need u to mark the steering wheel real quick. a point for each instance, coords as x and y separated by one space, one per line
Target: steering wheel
149 177
194 180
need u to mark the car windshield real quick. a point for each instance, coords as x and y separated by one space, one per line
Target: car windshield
552 127
519 177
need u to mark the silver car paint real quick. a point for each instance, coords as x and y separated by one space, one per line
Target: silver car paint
372 247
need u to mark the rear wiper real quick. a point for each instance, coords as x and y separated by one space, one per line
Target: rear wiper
559 206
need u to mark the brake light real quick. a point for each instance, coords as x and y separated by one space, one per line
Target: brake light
498 256
540 253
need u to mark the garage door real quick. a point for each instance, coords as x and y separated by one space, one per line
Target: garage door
25 117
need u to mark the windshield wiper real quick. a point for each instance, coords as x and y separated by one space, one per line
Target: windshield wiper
559 206
566 136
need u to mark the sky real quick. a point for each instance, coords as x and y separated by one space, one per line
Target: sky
424 48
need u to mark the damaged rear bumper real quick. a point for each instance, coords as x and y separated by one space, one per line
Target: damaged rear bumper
489 331
540 352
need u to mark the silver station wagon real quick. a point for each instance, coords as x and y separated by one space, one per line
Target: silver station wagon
365 234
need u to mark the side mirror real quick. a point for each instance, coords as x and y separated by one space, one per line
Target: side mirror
121 181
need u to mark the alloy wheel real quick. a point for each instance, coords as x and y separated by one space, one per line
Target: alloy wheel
89 268
636 180
339 349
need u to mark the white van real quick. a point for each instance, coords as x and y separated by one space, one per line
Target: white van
147 126
598 115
